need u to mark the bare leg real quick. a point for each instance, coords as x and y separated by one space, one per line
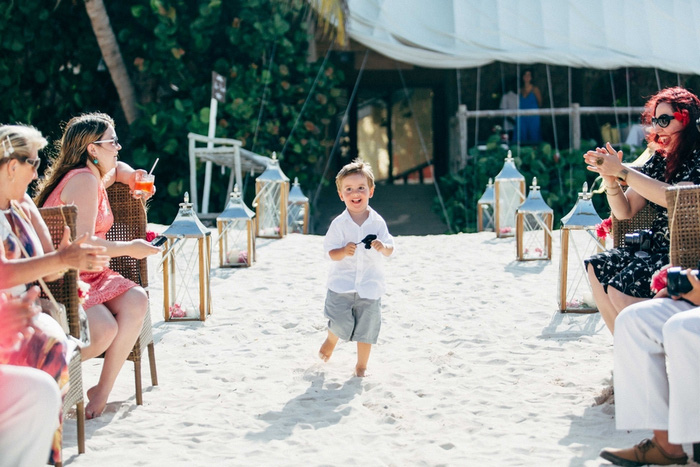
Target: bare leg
602 300
328 346
103 329
621 301
661 438
363 350
129 310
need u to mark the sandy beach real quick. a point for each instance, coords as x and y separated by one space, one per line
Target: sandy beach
474 366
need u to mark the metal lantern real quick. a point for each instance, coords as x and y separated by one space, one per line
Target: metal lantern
236 227
271 193
578 242
485 210
533 227
298 210
509 191
186 266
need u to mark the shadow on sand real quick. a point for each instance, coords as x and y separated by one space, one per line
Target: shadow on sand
319 406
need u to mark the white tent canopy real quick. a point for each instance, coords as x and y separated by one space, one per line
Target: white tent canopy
602 34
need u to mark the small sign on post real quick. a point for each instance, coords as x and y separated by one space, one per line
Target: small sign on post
218 87
218 94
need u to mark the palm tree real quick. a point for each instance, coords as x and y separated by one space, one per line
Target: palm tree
332 13
112 57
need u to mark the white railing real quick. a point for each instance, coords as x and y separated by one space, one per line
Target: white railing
574 112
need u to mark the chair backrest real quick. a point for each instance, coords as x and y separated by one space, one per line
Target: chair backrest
642 220
64 290
130 222
684 224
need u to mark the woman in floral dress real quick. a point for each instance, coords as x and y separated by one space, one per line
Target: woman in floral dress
620 277
27 254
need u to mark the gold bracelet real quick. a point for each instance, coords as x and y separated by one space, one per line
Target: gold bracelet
617 192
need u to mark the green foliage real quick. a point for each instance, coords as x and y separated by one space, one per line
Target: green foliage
559 176
50 71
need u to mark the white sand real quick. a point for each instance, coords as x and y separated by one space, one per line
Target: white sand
474 366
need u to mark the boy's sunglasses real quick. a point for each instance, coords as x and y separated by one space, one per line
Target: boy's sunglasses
33 162
662 120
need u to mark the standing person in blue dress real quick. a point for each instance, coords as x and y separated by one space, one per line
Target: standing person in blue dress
528 128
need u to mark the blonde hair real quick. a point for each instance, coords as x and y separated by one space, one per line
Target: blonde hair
19 141
358 166
78 134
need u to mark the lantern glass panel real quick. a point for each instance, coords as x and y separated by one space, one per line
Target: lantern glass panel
486 217
576 294
234 242
535 241
297 218
269 218
509 196
187 268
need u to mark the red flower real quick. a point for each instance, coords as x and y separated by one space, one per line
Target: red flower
603 229
660 279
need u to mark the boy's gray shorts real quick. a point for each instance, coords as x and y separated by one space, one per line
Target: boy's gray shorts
353 318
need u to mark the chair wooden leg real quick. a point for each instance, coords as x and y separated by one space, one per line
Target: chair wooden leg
80 413
152 362
137 380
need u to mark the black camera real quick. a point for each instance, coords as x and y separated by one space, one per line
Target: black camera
677 280
639 242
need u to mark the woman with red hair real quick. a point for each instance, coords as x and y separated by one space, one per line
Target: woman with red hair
621 276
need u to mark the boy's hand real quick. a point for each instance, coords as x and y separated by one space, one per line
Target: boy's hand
349 249
382 248
378 245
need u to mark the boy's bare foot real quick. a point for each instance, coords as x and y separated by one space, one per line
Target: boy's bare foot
327 350
96 403
360 372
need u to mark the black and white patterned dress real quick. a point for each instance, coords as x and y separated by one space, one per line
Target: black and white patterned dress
619 267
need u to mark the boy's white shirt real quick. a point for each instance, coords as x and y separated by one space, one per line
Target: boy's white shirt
364 272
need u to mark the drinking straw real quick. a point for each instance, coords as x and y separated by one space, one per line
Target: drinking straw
154 165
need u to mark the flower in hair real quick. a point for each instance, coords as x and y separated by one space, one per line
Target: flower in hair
682 117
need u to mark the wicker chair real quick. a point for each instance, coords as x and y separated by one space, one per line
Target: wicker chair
130 223
684 231
65 291
642 220
684 224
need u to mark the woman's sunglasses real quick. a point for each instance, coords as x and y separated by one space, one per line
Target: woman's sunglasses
662 120
33 162
114 141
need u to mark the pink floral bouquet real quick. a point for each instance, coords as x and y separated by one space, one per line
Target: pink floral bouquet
604 229
176 311
659 279
83 291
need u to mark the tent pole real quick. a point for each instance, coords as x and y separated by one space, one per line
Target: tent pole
658 80
629 102
517 110
551 108
614 99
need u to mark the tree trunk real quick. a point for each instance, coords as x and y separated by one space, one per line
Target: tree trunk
112 57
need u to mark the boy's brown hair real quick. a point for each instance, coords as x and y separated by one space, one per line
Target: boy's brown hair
358 166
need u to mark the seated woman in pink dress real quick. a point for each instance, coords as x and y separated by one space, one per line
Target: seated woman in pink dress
85 166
